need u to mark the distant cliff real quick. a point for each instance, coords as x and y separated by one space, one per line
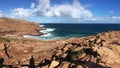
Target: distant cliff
11 26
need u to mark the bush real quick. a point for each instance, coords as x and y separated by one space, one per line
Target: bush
6 39
75 54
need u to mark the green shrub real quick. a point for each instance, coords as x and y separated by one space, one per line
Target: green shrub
24 40
75 54
6 39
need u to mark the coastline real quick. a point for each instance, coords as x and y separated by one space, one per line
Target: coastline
66 52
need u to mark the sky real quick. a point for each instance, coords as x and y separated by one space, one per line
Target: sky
62 11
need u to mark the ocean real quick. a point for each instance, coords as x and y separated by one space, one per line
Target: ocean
61 31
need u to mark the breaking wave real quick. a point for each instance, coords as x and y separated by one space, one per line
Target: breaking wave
47 30
42 25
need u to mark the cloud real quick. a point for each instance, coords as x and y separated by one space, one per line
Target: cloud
21 12
74 12
1 14
112 19
45 9
32 5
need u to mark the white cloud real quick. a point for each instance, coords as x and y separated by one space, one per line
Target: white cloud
75 12
1 14
112 19
44 8
32 5
21 12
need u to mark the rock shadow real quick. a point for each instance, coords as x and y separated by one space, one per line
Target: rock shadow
1 62
44 63
32 62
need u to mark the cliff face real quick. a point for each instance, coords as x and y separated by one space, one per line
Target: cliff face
10 26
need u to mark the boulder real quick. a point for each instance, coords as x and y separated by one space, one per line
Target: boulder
54 64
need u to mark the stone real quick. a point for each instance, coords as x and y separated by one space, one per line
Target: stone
81 56
79 66
65 65
98 40
92 38
64 55
78 48
54 64
65 49
1 46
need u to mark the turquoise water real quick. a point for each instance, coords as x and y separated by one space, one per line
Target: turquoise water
60 31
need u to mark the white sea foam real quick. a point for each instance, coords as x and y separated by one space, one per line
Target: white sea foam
50 29
25 36
47 30
46 35
28 36
41 25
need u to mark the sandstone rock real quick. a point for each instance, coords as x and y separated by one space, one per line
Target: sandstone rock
78 48
64 65
81 56
54 64
59 53
79 66
95 48
64 55
92 38
98 40
103 43
109 57
65 49
72 65
86 58
1 46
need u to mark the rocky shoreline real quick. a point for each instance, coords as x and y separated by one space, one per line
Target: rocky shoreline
11 26
99 51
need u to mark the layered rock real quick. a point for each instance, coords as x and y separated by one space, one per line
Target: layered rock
10 26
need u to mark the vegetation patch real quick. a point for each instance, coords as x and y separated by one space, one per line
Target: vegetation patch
6 39
75 54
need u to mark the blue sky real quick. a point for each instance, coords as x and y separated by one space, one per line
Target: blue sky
62 11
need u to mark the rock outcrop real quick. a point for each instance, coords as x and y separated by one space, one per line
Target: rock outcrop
10 26
98 51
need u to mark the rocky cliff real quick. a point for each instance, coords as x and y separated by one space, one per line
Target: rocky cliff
98 51
11 26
